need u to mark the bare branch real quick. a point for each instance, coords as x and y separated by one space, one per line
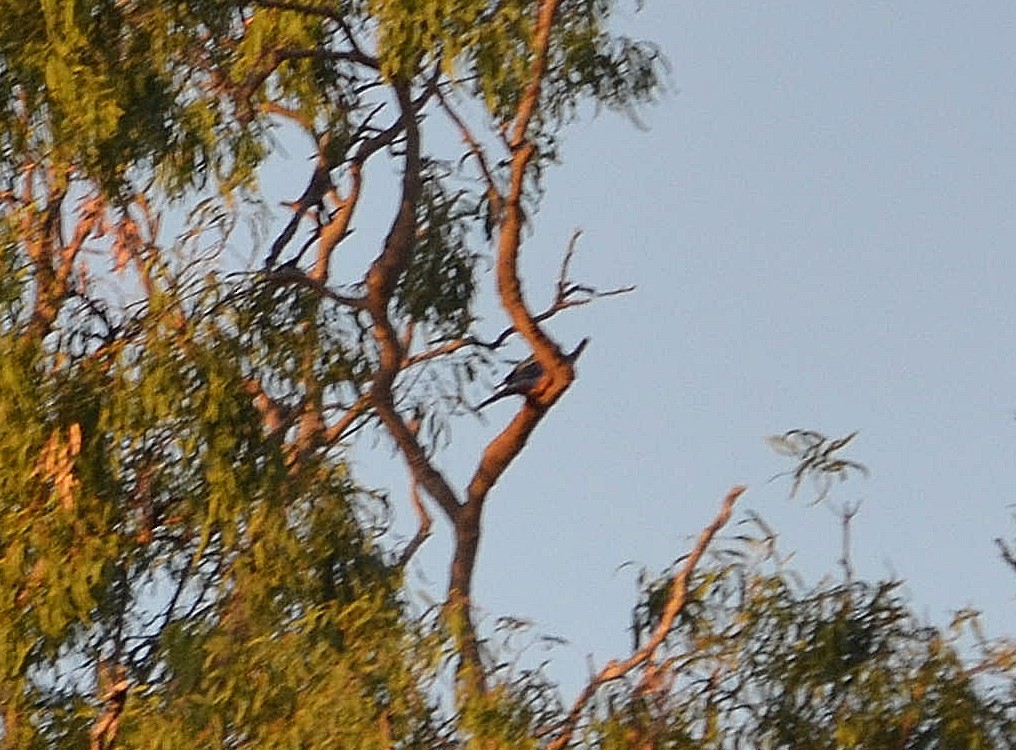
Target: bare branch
557 372
380 280
541 45
351 38
422 532
508 282
448 347
333 232
273 415
562 277
615 670
320 183
274 108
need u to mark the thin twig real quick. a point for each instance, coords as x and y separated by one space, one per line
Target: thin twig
340 429
287 274
493 194
1007 553
562 277
423 530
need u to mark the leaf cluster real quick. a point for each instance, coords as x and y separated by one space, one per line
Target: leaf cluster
760 660
148 519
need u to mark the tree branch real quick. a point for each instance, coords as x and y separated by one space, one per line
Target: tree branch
615 670
423 517
103 734
493 194
565 297
541 46
274 417
380 280
558 372
291 275
319 184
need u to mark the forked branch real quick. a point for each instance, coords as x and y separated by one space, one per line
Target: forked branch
380 283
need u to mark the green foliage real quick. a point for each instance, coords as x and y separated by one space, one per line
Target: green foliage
759 660
116 89
818 457
175 497
438 287
147 518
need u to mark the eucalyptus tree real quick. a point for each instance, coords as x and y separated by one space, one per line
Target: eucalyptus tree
186 558
186 555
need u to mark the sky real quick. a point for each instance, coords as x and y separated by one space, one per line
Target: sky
819 219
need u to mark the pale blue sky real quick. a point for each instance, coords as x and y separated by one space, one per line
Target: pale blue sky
821 225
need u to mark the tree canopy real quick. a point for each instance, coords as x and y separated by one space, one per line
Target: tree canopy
187 559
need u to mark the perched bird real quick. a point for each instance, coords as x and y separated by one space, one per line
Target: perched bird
525 375
520 381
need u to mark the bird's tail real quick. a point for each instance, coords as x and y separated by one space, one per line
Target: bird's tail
491 399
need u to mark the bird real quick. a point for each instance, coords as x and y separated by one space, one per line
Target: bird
519 382
525 375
